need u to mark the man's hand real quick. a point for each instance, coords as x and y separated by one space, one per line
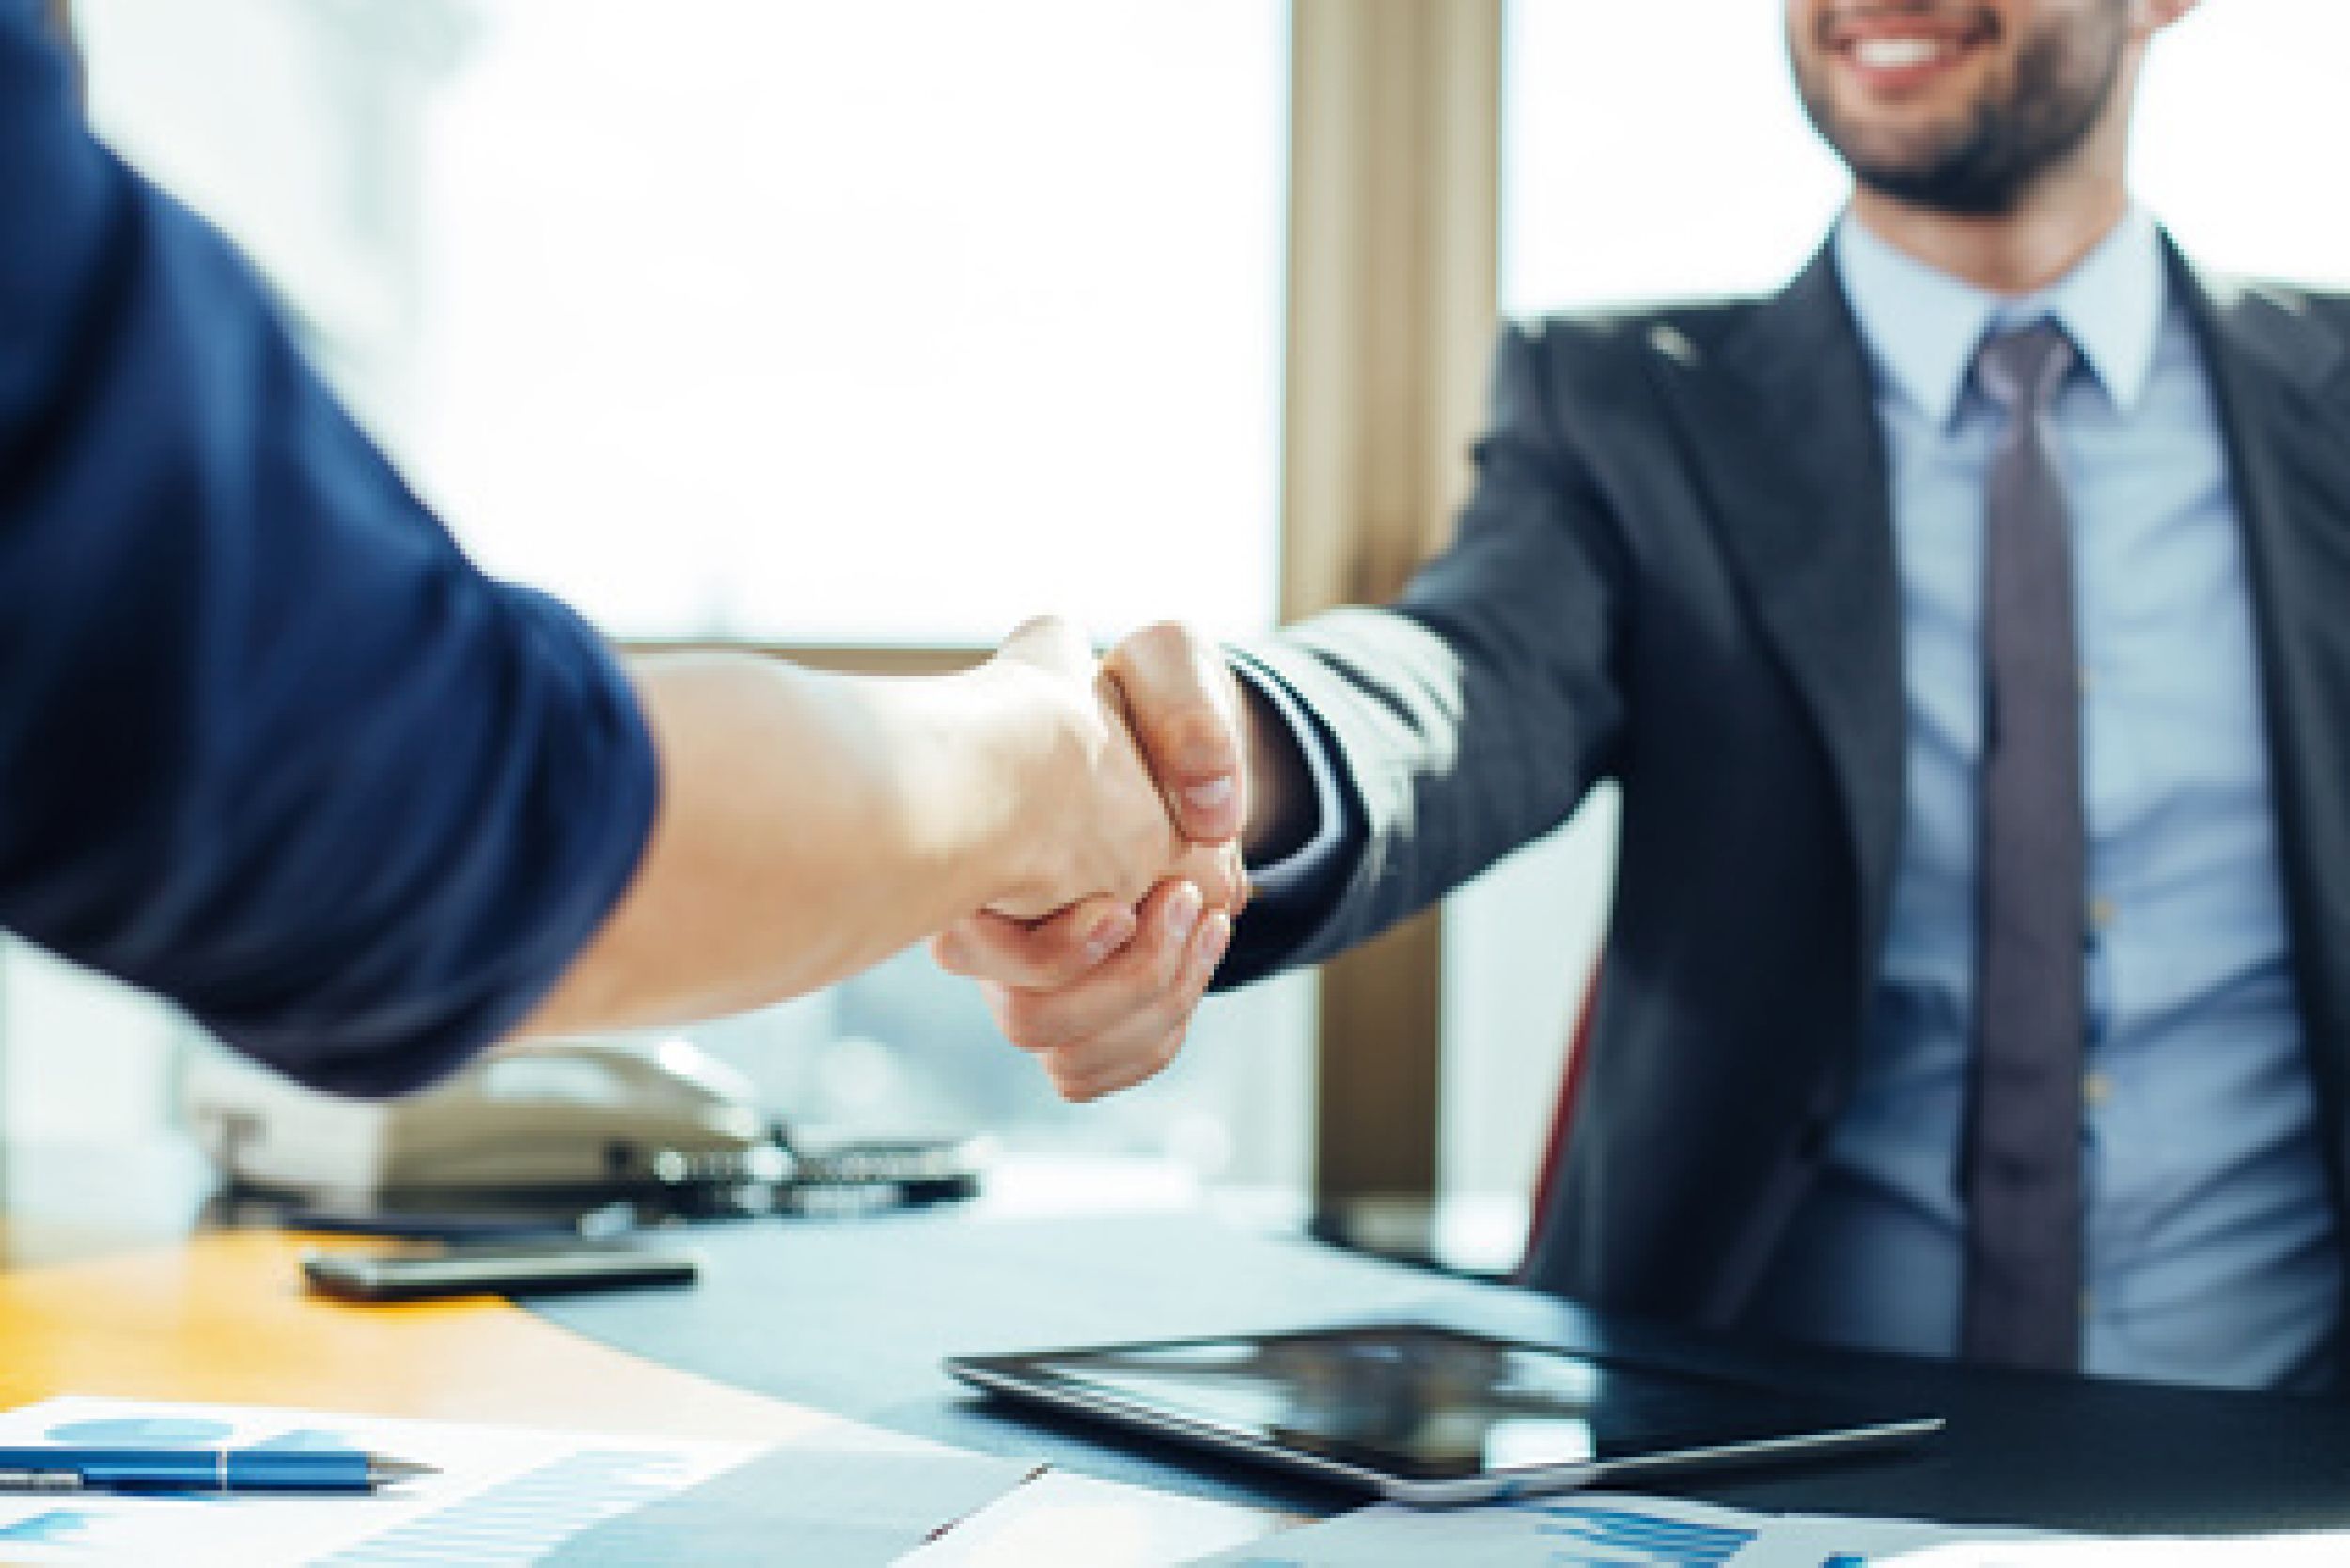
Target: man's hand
1104 999
1104 831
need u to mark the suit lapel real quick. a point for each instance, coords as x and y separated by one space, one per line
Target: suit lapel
1782 423
2282 380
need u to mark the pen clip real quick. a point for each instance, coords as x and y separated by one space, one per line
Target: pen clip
40 1481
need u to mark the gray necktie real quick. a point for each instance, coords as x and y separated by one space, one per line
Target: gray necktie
2023 1157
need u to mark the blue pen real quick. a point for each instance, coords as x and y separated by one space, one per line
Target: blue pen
59 1469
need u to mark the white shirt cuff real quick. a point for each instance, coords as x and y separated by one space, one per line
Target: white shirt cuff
1295 870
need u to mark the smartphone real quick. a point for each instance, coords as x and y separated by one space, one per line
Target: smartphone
523 1269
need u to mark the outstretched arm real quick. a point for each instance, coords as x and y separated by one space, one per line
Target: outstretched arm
811 825
278 750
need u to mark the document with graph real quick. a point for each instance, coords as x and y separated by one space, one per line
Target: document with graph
502 1493
499 1496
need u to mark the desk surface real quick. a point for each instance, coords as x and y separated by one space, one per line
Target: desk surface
853 1318
108 1289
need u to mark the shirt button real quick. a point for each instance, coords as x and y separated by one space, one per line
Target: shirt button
2096 1088
2101 914
2088 1303
2089 679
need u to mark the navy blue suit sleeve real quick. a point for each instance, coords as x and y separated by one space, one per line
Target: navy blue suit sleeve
269 744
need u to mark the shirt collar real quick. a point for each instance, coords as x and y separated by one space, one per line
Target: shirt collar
1922 326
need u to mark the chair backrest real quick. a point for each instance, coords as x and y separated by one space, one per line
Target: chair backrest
1562 1118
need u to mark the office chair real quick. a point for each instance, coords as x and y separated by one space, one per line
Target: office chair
1561 1119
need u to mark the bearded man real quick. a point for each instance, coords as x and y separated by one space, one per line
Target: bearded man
1966 627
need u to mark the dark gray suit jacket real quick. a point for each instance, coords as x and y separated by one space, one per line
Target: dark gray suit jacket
1677 570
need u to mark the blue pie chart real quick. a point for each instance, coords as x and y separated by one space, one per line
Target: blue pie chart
142 1432
50 1528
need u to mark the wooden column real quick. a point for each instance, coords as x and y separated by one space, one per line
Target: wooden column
1392 283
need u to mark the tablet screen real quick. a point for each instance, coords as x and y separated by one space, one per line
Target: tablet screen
1429 1404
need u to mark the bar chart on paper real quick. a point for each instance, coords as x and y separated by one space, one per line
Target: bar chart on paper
1581 1532
504 1494
1591 1533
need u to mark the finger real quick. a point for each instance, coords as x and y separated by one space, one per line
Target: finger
1185 711
1129 985
1217 872
1151 1041
1045 955
1080 1080
1050 642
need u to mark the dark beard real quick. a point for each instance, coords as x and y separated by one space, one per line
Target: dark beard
1984 169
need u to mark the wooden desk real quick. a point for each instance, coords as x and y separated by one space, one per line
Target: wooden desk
223 1317
108 1288
852 1319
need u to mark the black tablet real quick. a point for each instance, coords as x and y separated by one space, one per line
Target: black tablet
1428 1415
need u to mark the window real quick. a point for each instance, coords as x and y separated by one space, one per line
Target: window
888 323
852 323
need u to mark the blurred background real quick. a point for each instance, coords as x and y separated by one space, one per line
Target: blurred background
868 331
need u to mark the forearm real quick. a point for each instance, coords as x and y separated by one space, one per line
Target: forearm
810 825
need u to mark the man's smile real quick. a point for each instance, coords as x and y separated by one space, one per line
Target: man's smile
1896 54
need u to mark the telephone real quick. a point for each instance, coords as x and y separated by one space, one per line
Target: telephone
580 1120
569 1115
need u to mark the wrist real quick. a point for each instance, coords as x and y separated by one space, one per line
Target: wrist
1280 787
1031 765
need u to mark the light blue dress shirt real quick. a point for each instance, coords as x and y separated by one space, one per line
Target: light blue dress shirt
2209 1246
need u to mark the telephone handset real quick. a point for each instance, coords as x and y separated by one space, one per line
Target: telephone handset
581 1113
590 1120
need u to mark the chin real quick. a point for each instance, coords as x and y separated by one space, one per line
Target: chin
1909 154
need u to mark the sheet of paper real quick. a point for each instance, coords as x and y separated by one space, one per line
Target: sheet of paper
1060 1516
851 1504
1586 1529
505 1495
1943 1548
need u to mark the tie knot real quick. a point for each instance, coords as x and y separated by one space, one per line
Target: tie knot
2024 367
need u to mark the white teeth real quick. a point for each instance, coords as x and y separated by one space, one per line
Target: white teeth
1896 54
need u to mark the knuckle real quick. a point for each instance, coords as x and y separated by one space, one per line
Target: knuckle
1219 885
1053 958
1159 640
1063 968
1171 1015
1046 960
982 949
1164 654
1167 970
1195 734
1030 1022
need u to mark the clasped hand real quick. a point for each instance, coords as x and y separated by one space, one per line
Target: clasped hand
1097 975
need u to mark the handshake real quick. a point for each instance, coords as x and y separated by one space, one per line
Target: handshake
1134 785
